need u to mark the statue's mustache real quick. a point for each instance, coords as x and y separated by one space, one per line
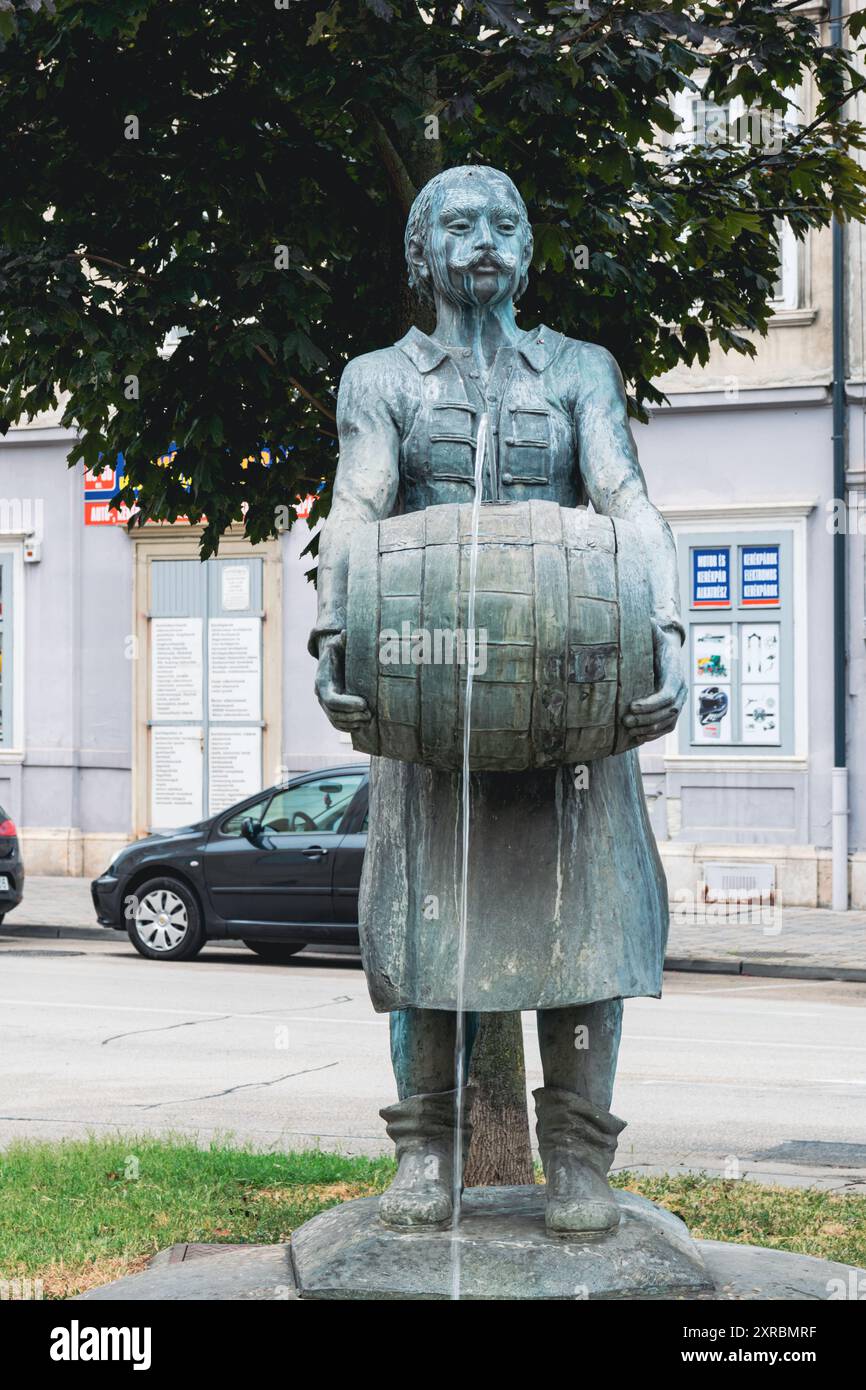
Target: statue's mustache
500 260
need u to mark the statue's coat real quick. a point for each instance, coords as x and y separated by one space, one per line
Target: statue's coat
567 897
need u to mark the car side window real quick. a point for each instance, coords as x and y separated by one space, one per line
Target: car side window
315 805
232 826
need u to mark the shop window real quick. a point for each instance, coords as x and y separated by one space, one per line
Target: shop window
737 599
205 669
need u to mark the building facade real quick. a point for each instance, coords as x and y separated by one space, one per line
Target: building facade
142 689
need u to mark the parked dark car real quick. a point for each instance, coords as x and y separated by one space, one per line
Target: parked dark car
11 867
280 871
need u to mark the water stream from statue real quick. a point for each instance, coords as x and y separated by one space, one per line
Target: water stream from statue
460 1037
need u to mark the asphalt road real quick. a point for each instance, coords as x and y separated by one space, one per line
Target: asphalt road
723 1068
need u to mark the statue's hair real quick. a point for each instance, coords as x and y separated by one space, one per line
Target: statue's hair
418 223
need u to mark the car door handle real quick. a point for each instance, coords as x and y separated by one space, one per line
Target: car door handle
314 852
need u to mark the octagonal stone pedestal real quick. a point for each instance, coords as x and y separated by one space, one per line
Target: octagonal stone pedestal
505 1253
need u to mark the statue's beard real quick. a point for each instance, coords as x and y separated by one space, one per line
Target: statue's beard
445 277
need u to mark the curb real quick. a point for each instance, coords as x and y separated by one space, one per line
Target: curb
698 965
26 930
773 969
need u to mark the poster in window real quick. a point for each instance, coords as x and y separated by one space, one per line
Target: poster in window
234 668
761 714
712 649
760 656
712 713
235 587
711 577
176 668
759 577
175 776
234 766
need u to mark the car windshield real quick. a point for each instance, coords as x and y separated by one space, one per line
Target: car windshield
315 805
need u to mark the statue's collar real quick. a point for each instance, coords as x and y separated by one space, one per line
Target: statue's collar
538 347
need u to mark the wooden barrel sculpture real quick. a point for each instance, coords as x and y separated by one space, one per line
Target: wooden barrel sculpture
562 643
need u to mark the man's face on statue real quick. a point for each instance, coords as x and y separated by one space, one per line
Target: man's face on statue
477 248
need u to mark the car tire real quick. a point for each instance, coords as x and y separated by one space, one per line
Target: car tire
167 923
275 951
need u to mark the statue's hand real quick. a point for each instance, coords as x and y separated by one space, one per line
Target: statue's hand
657 714
346 712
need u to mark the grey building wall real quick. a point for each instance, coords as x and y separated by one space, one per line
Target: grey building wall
309 739
69 786
69 767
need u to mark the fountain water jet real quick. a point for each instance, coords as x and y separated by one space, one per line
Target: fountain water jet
460 1027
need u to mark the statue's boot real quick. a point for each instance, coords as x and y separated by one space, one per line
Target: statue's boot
577 1141
423 1129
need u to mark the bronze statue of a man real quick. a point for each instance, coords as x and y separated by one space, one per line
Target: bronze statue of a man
567 899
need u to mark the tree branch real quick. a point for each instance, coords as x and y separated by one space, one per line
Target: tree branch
266 357
106 260
760 159
396 170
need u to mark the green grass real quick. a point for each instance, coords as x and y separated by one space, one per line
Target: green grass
803 1220
74 1215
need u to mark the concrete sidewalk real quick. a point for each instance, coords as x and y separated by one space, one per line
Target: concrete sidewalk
794 942
54 907
803 943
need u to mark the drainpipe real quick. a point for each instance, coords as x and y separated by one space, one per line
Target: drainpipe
840 679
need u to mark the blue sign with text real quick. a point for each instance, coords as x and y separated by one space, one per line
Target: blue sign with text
759 566
711 577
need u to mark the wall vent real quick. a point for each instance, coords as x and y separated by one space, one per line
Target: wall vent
739 883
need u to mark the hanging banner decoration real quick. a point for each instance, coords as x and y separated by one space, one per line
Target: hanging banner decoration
759 576
711 577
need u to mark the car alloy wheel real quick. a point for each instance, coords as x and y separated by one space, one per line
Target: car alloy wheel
161 920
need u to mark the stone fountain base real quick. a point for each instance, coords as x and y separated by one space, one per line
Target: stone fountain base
347 1254
505 1253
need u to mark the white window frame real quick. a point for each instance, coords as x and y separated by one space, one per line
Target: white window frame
789 269
741 519
791 252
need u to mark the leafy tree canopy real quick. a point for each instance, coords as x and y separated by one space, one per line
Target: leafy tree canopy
242 173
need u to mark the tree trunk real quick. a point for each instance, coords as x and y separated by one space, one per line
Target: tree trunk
499 1154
